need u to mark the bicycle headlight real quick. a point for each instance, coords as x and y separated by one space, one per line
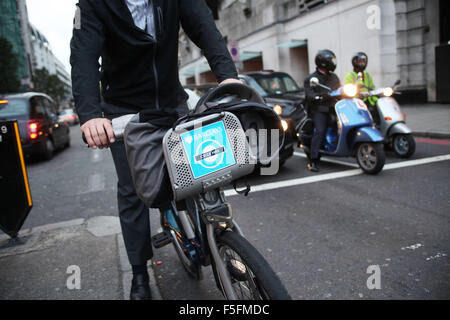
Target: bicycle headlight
278 109
388 92
350 90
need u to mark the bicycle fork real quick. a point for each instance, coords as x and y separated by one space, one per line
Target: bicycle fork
214 211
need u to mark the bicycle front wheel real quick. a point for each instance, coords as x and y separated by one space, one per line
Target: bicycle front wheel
251 275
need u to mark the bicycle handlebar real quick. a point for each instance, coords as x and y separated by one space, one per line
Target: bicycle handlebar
118 124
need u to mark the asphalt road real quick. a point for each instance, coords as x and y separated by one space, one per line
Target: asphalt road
320 232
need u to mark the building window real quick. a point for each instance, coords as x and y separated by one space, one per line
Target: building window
306 5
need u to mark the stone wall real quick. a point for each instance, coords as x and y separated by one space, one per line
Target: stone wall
417 36
400 45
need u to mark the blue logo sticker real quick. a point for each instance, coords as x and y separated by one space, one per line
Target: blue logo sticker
208 149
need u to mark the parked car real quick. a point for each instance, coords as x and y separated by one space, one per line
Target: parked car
69 116
281 92
40 130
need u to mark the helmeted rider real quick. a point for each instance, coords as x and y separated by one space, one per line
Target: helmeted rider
364 80
319 104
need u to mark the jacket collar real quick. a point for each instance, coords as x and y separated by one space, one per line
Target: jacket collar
120 9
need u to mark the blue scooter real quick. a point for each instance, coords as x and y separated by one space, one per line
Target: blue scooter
353 134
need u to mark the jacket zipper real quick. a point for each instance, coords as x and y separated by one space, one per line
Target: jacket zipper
161 21
155 70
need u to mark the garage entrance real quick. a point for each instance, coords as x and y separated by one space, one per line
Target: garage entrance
299 61
255 64
299 64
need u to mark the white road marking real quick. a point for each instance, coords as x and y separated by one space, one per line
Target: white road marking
413 163
337 175
439 255
96 182
96 155
325 159
413 247
300 181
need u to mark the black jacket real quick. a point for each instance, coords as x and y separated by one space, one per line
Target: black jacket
325 104
139 71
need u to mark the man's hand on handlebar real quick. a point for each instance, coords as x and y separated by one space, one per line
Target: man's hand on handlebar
98 133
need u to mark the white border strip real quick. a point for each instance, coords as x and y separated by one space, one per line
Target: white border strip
325 159
337 175
417 162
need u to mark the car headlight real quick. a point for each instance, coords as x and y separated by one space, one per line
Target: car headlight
350 90
285 125
388 92
278 109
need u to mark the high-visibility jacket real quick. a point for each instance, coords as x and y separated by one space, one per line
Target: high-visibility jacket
365 85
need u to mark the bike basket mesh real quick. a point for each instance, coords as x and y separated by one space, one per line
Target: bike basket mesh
219 137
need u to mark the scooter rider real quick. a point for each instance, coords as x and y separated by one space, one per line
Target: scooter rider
364 80
319 104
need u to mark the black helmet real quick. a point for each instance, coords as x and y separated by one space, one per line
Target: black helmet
326 59
360 61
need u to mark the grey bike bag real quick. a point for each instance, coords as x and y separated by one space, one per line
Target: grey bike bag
206 153
143 143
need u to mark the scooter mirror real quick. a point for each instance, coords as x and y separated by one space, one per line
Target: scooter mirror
397 83
314 82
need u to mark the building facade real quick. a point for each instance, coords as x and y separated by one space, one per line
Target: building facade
43 57
399 36
31 47
42 52
14 27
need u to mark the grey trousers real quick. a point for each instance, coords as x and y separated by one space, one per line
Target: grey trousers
134 215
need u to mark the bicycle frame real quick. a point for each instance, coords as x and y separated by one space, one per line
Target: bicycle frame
206 217
210 215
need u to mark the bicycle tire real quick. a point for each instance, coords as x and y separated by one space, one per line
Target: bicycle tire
267 283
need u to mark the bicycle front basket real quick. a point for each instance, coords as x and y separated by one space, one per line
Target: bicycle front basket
205 154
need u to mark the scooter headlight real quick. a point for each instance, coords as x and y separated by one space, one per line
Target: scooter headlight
285 125
350 90
278 109
388 92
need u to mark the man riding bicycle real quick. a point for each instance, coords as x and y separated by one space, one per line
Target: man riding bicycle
137 41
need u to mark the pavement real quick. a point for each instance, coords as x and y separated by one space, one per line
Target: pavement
73 260
431 121
85 259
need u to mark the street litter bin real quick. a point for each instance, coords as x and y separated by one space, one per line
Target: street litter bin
15 195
